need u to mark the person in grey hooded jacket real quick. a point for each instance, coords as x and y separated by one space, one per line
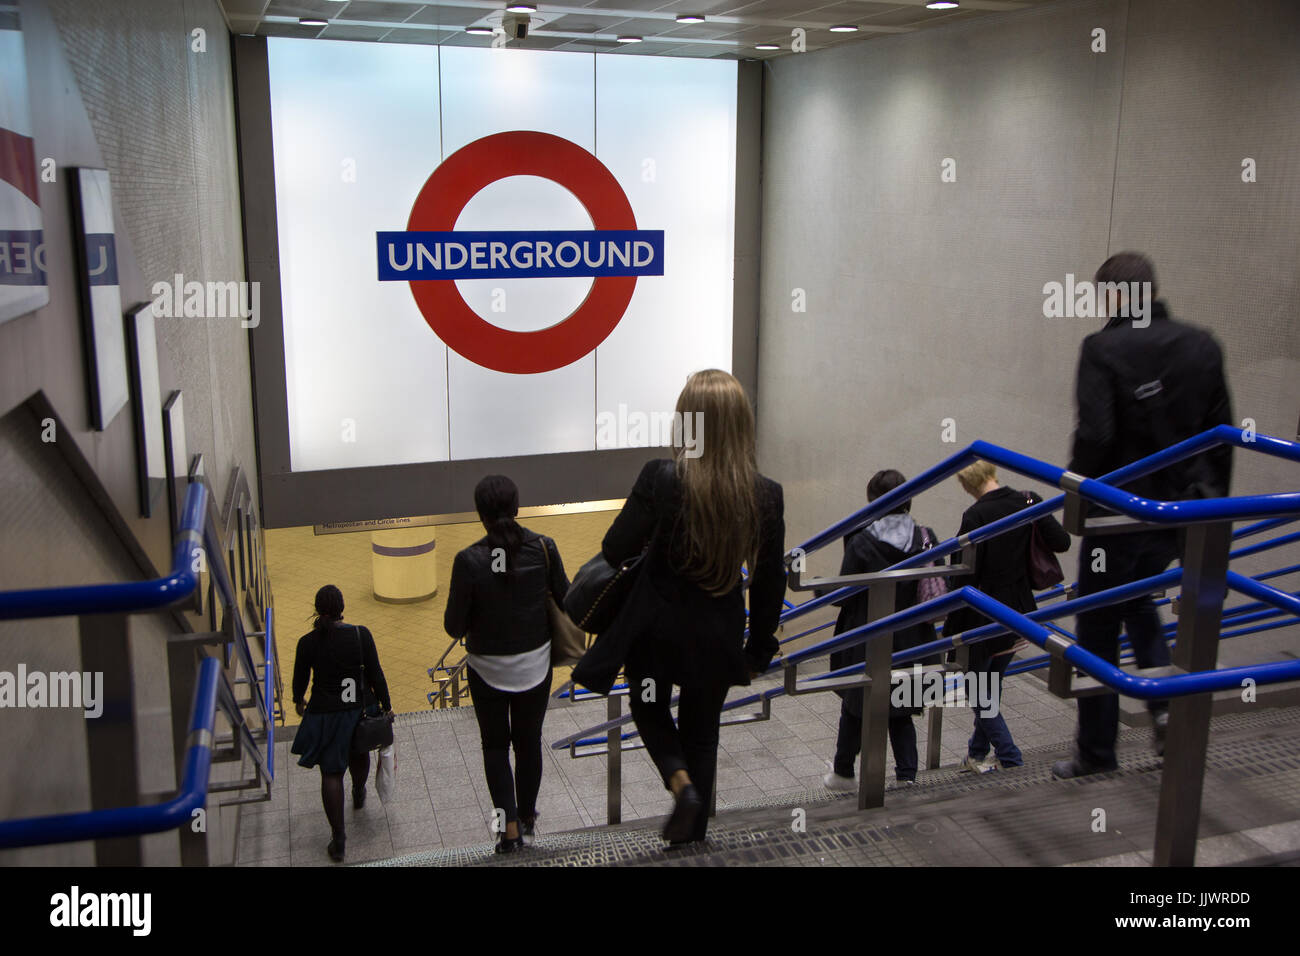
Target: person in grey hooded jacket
879 545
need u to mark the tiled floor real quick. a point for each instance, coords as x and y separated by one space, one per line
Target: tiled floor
410 637
1022 817
443 800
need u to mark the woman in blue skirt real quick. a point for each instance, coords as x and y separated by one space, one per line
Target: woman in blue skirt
343 665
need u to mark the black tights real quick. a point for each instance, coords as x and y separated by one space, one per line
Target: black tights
331 790
507 720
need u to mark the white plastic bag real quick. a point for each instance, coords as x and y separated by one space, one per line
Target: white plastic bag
386 774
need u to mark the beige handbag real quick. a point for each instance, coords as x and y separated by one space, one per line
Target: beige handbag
568 641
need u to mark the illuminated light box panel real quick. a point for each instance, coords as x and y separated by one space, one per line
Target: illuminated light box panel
593 186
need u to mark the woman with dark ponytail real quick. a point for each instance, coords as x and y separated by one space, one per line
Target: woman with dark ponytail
497 602
343 665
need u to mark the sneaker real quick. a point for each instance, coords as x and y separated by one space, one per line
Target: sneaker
1160 724
984 764
835 783
686 812
335 849
528 829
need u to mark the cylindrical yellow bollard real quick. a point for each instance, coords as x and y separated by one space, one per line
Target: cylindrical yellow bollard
403 565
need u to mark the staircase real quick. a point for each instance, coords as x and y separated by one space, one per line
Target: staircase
1018 817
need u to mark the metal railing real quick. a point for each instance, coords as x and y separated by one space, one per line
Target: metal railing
126 821
450 682
199 683
1204 576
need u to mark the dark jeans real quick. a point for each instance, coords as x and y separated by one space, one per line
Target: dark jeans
506 719
1129 557
691 745
992 731
902 739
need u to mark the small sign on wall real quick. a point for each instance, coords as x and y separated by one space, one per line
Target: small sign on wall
101 297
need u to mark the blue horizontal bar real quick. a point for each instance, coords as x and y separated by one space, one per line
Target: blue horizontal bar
127 596
126 821
269 692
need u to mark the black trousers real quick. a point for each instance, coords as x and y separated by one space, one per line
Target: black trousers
691 744
508 719
902 740
1128 558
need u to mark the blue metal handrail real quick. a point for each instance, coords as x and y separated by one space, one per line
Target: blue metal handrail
124 596
196 530
127 821
267 693
1275 510
1097 489
1025 626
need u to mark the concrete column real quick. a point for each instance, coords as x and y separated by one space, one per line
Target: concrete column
403 565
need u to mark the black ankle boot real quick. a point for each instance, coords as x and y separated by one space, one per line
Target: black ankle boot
336 847
358 797
686 811
509 845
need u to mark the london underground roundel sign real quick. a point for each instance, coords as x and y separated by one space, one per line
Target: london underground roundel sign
431 255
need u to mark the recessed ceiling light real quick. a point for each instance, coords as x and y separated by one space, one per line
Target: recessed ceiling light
522 7
629 39
312 22
941 4
690 18
479 31
844 28
767 46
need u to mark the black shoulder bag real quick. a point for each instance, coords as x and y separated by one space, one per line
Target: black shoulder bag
371 733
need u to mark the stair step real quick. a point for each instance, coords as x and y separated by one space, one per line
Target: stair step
954 817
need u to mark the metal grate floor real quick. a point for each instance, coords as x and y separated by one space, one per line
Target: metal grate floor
1010 817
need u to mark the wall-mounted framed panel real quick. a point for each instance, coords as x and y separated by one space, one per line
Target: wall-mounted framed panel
23 283
101 297
146 401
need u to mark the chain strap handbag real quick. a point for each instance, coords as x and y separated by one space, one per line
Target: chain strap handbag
371 733
568 641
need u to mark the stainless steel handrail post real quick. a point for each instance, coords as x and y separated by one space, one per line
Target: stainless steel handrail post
933 737
1205 566
614 761
875 699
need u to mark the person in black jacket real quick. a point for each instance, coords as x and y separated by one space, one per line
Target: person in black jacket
702 518
1001 572
879 545
342 664
497 602
1143 384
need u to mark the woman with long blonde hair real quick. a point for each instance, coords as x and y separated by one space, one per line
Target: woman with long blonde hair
704 513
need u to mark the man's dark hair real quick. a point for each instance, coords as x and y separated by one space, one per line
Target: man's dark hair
882 483
1128 267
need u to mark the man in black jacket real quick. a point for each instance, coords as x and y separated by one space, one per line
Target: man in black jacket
1143 384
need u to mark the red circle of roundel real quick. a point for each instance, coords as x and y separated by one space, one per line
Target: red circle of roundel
445 194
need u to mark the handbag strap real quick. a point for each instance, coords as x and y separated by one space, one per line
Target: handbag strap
546 555
361 657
